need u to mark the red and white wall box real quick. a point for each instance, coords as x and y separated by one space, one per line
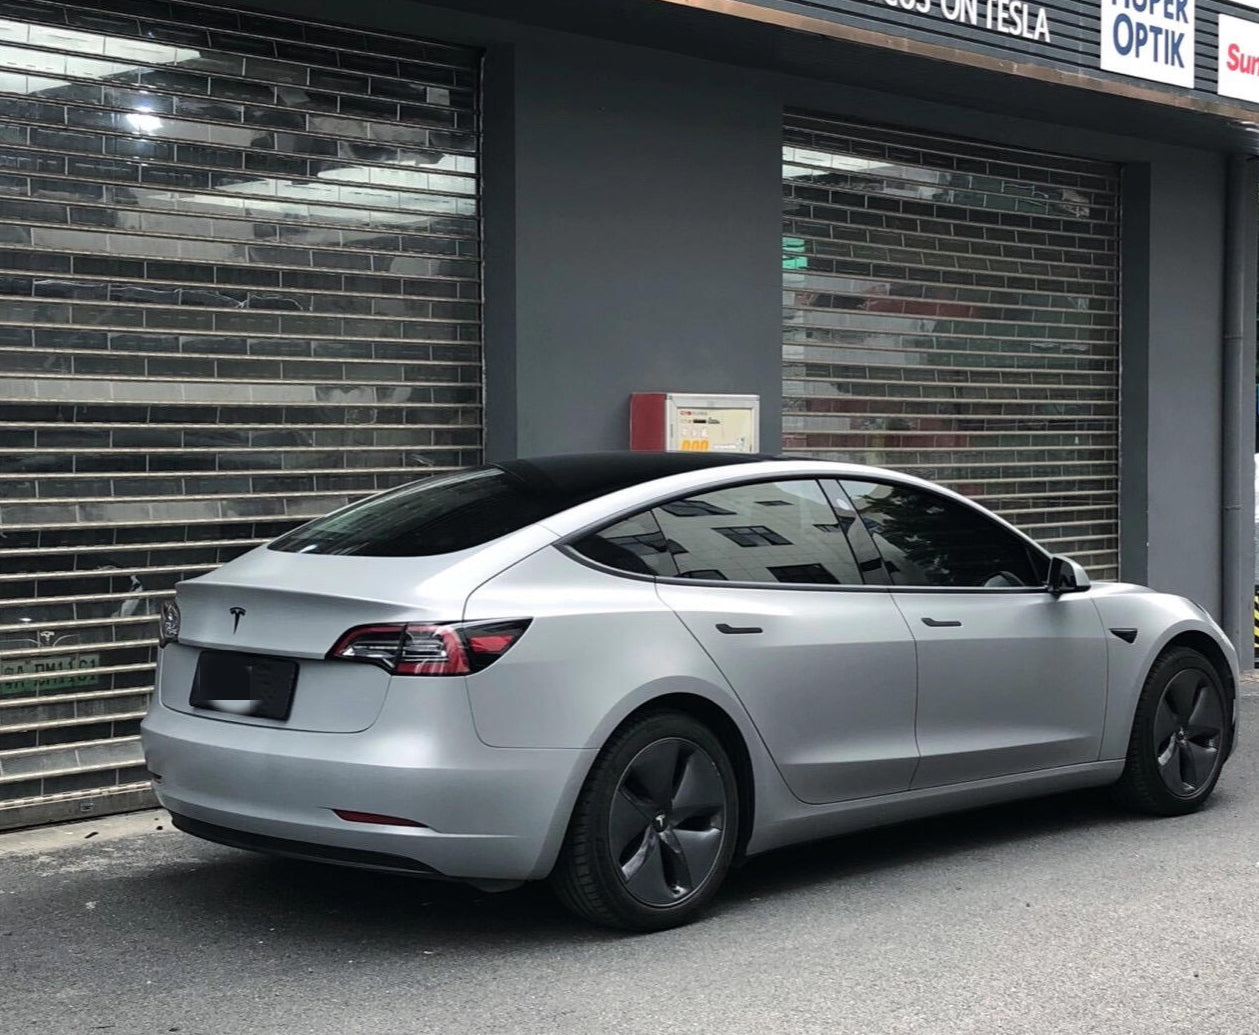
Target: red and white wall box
1238 74
695 422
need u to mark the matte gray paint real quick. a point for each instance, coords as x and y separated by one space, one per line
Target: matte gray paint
1158 620
1134 372
1019 682
647 239
498 213
830 681
1184 349
499 812
1238 403
1171 375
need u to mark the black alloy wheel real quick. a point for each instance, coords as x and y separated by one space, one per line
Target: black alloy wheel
1180 736
654 828
667 821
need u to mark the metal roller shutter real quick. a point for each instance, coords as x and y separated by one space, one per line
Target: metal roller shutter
951 309
239 286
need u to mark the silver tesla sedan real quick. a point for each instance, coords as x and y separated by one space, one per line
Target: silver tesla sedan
622 671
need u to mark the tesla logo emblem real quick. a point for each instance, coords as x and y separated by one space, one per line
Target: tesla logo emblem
237 613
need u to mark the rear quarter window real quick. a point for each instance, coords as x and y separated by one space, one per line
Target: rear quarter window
635 544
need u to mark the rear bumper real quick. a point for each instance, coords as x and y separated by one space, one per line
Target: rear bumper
300 849
488 813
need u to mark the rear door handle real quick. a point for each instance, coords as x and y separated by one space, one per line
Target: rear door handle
738 630
941 623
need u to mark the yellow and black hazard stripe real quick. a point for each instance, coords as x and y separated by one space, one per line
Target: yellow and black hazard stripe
1257 621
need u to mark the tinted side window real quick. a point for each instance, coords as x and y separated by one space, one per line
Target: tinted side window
930 540
781 532
635 544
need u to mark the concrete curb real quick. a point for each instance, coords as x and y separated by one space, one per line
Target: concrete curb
42 840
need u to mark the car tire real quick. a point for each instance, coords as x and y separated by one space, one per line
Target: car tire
1180 736
654 827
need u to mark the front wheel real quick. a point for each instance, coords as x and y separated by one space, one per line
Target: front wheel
1180 737
654 828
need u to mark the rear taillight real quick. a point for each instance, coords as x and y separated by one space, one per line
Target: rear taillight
430 648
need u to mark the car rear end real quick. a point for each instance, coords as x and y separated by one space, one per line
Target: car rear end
315 705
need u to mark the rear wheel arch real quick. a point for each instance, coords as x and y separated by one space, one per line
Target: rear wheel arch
649 840
727 730
719 720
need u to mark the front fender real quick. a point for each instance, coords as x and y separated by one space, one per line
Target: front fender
1159 619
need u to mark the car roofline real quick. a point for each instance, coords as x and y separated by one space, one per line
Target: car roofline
587 515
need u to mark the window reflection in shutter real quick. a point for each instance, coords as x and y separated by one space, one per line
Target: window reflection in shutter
951 309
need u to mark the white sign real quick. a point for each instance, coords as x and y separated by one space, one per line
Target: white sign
1149 39
1238 74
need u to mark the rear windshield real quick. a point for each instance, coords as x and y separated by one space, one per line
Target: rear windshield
439 515
459 511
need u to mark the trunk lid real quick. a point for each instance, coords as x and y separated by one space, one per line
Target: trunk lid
296 606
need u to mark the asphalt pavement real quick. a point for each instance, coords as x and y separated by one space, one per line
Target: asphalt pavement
1058 915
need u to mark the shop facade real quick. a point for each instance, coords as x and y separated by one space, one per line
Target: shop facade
258 263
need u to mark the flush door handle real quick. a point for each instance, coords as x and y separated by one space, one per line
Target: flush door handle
941 623
738 630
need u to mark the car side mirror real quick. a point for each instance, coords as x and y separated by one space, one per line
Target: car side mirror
1065 576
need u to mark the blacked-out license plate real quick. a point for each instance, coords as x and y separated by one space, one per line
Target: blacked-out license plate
244 684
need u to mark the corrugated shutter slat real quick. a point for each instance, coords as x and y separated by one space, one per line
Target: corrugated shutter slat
241 284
